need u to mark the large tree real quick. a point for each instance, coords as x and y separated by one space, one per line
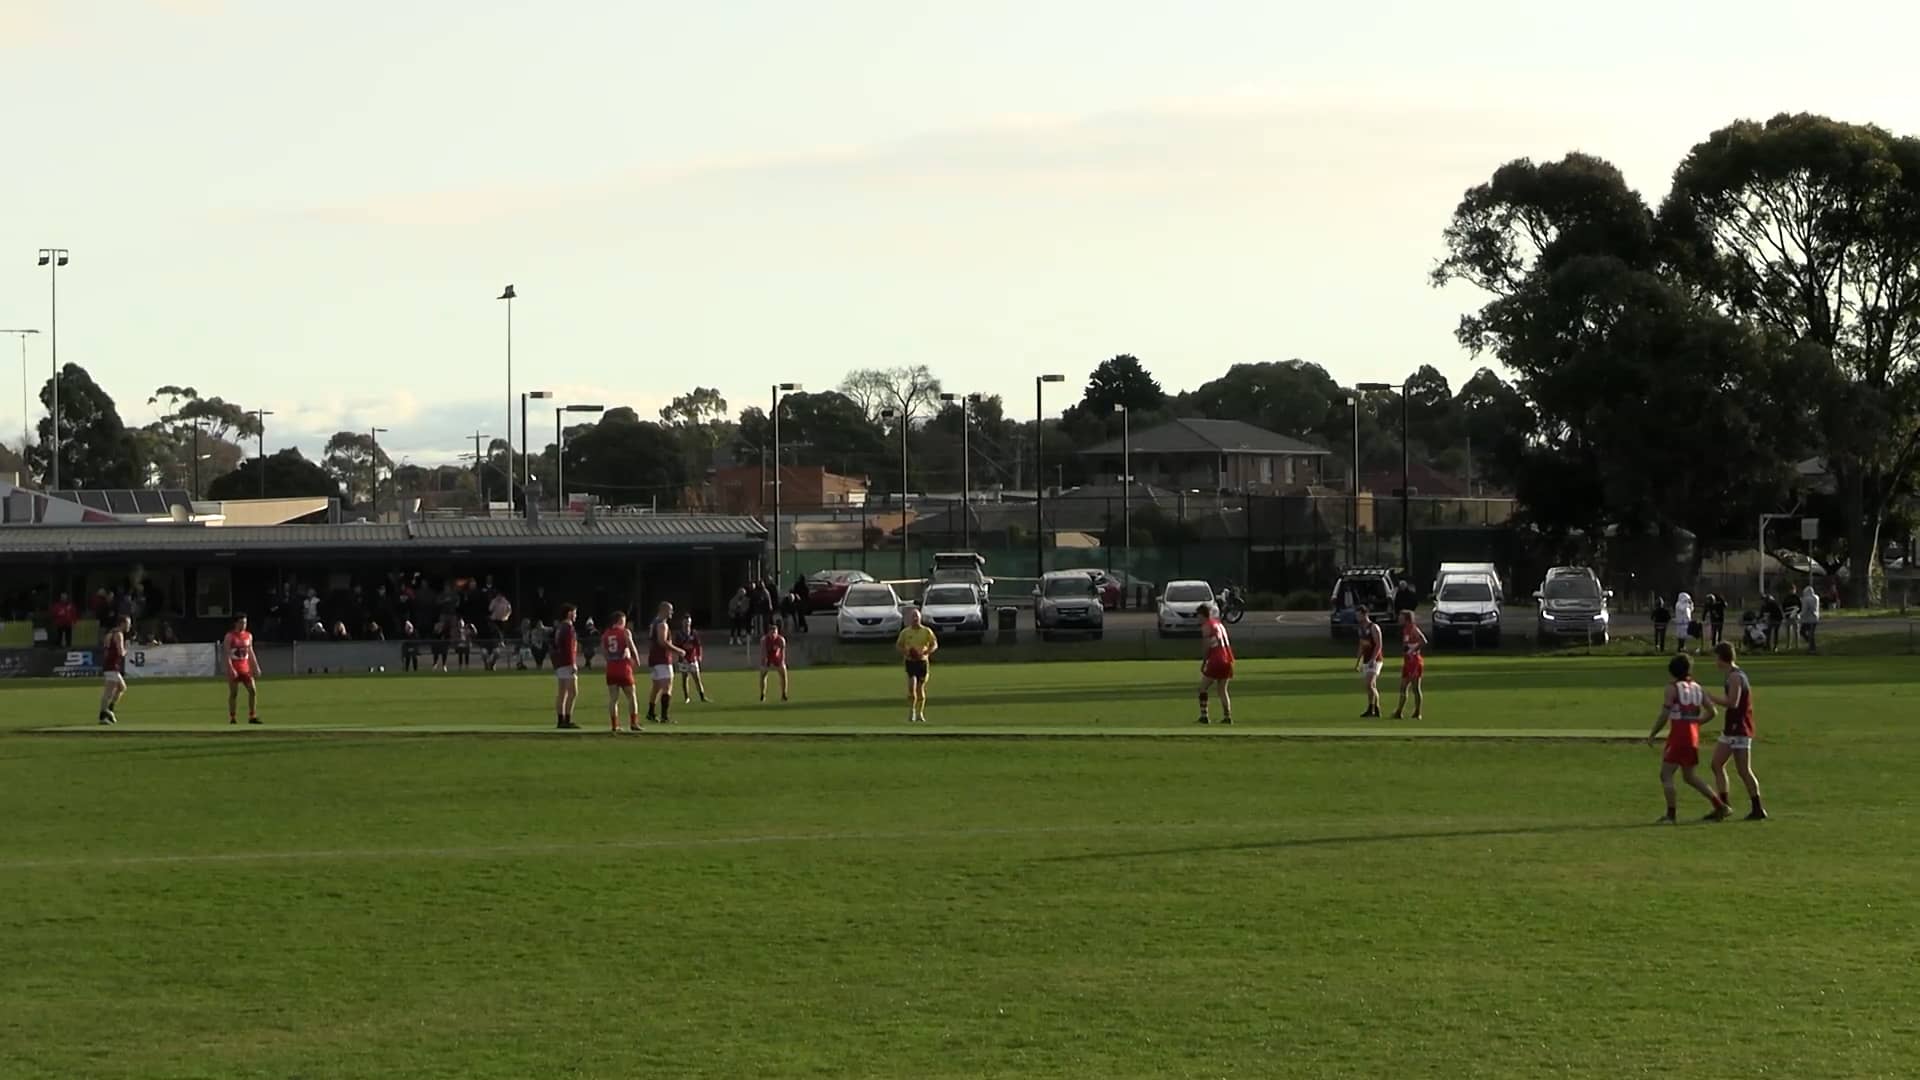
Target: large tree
96 449
1122 381
1809 228
1627 378
626 460
911 391
288 475
350 459
826 429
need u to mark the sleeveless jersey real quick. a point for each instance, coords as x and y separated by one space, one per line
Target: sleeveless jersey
617 644
1219 646
1410 640
689 644
239 646
565 643
773 648
114 661
1686 702
1370 643
657 653
1739 719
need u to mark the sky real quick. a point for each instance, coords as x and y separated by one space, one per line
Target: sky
310 208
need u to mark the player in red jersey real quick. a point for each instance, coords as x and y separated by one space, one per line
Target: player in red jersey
565 652
773 657
1685 707
661 655
1413 665
688 641
1216 668
1369 659
242 667
113 669
616 644
1736 730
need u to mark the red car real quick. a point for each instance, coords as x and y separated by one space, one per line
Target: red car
825 588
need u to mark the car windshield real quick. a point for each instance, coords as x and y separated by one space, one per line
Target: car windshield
1060 587
870 596
1466 591
1572 588
949 595
1188 594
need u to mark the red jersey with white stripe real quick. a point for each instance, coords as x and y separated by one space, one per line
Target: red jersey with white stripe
1686 706
1219 646
1739 716
239 646
565 644
617 645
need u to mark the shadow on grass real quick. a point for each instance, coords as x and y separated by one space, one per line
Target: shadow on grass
1338 841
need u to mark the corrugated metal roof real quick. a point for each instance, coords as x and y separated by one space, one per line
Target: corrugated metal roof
1191 436
653 531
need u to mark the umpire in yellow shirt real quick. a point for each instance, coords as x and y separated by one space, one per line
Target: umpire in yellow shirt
916 645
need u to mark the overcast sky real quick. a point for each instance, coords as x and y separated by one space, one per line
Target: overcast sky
311 207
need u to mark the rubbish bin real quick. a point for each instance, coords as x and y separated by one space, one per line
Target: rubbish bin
1009 621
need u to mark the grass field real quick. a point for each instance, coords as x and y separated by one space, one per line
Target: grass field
370 887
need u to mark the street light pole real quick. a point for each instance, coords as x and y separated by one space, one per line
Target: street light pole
526 446
1039 475
773 411
480 464
1126 485
24 436
53 259
373 459
1406 491
508 295
967 402
261 415
1353 486
906 534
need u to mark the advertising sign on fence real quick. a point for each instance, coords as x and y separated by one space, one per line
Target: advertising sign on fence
172 661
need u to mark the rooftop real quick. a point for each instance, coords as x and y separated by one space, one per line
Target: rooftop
1209 437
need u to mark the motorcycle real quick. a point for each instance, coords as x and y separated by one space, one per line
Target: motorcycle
1232 607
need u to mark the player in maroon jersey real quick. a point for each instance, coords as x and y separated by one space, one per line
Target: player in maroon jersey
113 669
1369 659
688 640
1216 668
1736 730
242 664
1413 665
661 654
616 644
565 652
773 657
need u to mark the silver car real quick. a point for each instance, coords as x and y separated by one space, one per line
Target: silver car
954 612
1068 602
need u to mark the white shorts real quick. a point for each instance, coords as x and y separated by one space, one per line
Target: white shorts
116 680
688 667
1371 669
1737 742
663 673
564 674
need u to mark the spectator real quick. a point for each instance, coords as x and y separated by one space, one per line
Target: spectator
65 615
589 638
409 647
310 607
340 632
1404 597
1683 620
1716 618
1772 613
499 613
761 602
739 617
167 635
374 631
463 643
537 640
1810 616
802 604
1662 617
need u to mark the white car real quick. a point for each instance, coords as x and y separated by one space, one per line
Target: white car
870 611
954 612
1467 608
1180 606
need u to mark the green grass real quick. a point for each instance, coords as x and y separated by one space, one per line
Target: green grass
312 900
